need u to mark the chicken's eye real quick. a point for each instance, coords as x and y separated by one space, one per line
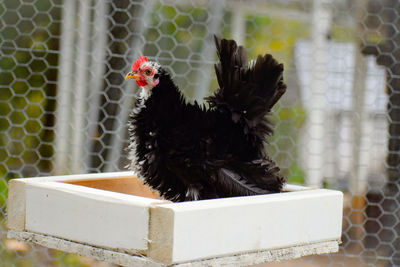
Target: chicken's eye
147 72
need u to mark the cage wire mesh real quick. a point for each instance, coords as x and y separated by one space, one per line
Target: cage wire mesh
64 102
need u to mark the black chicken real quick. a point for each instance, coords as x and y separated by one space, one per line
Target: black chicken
190 152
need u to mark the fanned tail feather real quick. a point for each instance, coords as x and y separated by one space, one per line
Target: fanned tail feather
263 173
247 91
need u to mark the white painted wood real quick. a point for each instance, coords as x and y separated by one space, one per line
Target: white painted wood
321 23
360 133
203 229
248 259
132 260
98 47
80 91
16 205
65 83
295 187
175 233
238 27
214 26
88 215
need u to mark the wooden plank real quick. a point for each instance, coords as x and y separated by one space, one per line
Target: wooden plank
16 205
279 254
100 254
208 228
161 234
87 215
131 260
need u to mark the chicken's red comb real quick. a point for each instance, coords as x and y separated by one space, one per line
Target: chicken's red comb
138 62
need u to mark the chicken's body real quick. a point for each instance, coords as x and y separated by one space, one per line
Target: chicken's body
188 152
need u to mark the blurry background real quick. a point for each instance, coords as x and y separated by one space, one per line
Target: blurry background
64 101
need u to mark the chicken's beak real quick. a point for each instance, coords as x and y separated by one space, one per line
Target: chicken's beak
132 75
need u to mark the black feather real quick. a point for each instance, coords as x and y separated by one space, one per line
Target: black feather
232 184
247 92
188 152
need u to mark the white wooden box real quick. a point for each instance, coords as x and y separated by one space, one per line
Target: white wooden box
113 217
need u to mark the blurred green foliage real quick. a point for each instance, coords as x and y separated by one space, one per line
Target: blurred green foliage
277 36
283 148
28 62
28 87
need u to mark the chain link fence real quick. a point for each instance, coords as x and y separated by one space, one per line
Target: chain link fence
64 102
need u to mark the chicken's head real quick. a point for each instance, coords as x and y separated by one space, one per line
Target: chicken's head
146 73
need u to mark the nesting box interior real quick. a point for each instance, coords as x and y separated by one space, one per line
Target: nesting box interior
127 185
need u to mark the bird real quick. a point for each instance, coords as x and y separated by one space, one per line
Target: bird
189 151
